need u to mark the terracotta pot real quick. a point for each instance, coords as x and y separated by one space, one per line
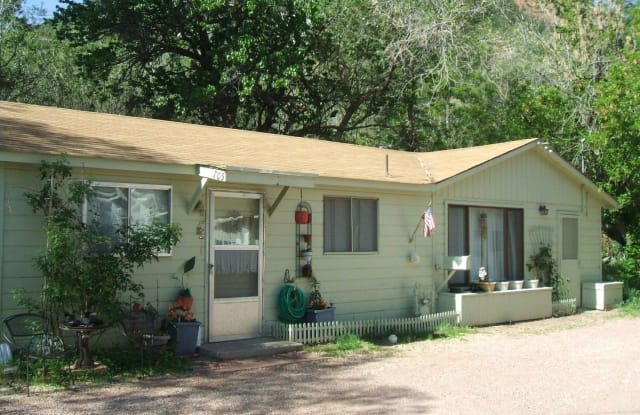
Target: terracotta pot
487 286
302 217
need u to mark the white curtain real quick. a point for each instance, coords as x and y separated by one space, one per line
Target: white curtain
486 234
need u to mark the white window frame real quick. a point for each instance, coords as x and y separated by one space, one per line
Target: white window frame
351 231
130 187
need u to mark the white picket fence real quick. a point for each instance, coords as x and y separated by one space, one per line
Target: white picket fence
323 332
565 307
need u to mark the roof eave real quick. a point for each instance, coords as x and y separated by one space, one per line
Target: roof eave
608 202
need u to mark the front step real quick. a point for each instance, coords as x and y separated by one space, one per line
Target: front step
248 348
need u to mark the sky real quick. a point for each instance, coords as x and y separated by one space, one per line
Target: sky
49 5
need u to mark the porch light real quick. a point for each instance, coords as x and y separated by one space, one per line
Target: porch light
543 210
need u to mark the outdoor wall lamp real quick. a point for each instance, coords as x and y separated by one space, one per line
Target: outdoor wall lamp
543 210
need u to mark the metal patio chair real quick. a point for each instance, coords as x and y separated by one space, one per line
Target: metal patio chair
30 335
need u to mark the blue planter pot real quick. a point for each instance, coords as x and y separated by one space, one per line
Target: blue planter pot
185 336
316 316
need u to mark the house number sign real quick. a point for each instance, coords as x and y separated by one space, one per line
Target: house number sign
213 173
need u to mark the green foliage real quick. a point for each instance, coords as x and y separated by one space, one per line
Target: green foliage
233 65
621 264
83 270
631 306
345 345
188 266
130 363
546 269
121 365
543 264
560 285
52 372
446 331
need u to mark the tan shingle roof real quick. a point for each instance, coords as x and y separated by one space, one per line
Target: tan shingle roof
47 130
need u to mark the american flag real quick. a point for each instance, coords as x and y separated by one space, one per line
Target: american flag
429 222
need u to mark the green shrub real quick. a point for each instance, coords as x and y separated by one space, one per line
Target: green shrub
344 345
446 330
631 306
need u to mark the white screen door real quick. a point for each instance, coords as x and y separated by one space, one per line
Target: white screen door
235 258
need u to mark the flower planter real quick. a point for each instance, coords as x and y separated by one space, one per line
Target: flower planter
302 217
316 316
516 285
486 286
530 283
185 336
502 285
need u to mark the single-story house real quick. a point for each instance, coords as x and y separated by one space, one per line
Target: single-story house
236 193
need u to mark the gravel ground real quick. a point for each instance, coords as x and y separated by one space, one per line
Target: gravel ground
582 364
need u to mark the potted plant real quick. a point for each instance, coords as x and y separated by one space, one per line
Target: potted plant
302 214
184 298
182 325
483 281
318 309
543 265
502 285
183 329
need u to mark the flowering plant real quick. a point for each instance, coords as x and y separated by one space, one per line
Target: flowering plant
482 274
316 302
176 312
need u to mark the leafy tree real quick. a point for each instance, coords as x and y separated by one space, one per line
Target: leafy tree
618 141
79 275
35 67
12 32
217 62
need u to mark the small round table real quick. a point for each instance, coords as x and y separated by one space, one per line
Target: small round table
85 361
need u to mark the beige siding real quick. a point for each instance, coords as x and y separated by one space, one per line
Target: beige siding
527 181
23 239
362 285
522 179
21 236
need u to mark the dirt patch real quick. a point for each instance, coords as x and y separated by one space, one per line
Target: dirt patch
582 364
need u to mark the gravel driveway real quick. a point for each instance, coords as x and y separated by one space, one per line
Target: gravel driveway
582 364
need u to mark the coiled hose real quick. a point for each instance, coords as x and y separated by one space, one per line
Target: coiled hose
291 303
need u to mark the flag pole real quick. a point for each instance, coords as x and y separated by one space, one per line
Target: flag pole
413 235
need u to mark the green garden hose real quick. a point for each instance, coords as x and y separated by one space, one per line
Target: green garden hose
291 303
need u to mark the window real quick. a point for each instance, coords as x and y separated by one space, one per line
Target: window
350 225
569 238
116 205
492 236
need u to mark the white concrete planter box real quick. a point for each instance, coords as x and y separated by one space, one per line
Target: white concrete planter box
483 309
601 295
